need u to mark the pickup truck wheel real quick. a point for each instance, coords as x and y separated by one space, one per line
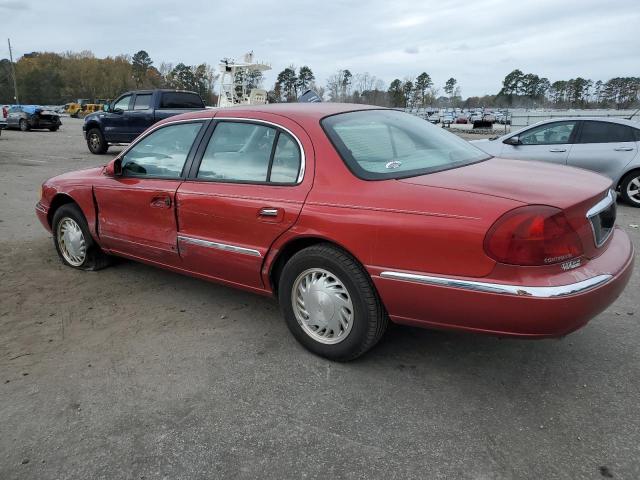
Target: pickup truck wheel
330 304
96 142
73 241
630 188
24 126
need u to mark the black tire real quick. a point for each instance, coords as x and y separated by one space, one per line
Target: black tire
54 129
96 142
24 125
630 180
95 258
369 317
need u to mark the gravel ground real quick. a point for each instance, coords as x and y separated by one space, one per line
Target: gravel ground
138 373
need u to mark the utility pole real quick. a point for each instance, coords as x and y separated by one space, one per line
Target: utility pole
13 72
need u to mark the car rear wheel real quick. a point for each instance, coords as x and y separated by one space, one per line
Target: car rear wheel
330 304
96 142
630 188
73 241
24 126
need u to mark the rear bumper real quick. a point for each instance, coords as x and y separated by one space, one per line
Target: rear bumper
551 308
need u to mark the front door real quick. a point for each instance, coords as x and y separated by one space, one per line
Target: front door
604 147
137 210
247 189
116 121
550 142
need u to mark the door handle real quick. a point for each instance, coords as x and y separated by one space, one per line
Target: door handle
163 201
557 150
269 212
623 149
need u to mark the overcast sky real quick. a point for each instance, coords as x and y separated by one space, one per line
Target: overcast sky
477 42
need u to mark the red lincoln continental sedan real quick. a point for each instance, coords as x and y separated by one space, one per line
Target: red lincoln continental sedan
351 216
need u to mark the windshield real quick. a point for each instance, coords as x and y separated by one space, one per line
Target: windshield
381 144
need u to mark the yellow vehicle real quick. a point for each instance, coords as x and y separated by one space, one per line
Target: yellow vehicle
88 108
74 108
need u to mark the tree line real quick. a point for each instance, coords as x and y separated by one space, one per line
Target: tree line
52 78
518 90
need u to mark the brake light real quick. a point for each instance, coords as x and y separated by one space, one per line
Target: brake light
532 235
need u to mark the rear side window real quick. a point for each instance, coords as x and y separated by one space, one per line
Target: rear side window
250 153
142 102
605 132
181 100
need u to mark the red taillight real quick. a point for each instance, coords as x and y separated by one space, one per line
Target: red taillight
532 235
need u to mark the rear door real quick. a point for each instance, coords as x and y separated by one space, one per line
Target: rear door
137 210
141 114
247 186
550 142
604 147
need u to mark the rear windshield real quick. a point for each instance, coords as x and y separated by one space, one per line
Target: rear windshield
381 144
181 100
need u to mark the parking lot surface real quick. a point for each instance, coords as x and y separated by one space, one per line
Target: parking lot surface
138 373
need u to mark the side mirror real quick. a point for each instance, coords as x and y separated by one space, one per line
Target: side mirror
117 110
105 107
515 140
113 168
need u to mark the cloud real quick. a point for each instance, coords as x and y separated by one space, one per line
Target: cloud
478 43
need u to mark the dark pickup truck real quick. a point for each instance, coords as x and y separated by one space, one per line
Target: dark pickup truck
132 113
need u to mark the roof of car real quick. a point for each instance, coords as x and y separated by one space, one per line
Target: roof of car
299 111
624 121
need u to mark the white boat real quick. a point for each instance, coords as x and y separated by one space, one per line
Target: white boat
233 84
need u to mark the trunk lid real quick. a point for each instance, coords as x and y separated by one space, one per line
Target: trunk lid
573 190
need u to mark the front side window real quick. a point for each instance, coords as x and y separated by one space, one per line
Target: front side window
250 152
549 134
605 132
123 103
142 101
382 144
162 153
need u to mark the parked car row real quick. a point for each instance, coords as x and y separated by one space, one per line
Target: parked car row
352 216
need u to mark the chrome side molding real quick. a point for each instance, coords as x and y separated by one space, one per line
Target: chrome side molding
517 290
219 246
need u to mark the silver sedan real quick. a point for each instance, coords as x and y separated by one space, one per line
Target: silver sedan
605 145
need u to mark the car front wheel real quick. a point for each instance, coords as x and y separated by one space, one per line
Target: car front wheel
73 241
96 142
24 126
330 304
630 188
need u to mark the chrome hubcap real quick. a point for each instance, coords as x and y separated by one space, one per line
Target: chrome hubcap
71 241
633 190
322 306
